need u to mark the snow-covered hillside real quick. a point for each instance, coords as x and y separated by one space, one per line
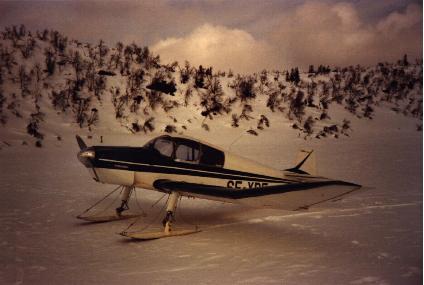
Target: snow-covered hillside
48 81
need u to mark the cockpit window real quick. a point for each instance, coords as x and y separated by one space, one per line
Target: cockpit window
187 151
164 146
212 156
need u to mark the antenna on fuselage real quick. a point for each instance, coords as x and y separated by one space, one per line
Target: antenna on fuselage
235 140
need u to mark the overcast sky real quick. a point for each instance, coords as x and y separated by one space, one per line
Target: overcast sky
244 35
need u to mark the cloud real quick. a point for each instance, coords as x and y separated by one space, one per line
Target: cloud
311 33
398 22
217 46
334 34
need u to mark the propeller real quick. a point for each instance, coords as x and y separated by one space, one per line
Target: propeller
86 153
80 142
86 156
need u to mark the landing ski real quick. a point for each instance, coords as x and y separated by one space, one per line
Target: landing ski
157 234
104 219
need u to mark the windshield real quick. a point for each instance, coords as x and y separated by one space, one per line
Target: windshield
164 146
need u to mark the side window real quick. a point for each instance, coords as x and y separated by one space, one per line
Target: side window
187 151
164 146
211 156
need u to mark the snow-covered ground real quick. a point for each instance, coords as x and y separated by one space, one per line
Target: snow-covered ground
371 237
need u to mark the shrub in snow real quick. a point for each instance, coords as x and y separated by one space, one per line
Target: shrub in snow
60 100
199 77
252 132
212 99
187 95
32 128
247 109
99 86
308 125
234 121
263 121
2 100
168 105
50 61
24 81
93 117
13 107
3 119
205 127
345 127
324 115
154 98
368 112
273 101
58 41
297 105
102 52
185 73
135 127
170 129
148 125
160 84
293 76
245 87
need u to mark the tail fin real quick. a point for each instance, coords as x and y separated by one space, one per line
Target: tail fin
305 163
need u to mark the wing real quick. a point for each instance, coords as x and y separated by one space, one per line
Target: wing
294 196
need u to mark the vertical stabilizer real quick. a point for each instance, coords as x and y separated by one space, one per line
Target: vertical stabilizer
305 163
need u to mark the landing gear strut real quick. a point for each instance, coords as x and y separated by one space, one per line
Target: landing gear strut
170 209
167 221
102 216
124 200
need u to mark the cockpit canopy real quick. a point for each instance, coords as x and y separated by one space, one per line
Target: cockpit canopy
187 151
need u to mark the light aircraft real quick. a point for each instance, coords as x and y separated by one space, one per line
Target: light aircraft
181 166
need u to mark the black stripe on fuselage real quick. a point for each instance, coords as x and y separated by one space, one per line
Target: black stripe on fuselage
187 169
231 193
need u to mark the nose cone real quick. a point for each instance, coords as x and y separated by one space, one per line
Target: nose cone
87 156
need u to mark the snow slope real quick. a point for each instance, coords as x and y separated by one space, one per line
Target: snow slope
46 78
372 237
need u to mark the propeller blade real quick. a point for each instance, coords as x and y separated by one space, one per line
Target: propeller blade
80 142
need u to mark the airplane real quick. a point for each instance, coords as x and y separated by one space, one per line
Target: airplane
183 166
